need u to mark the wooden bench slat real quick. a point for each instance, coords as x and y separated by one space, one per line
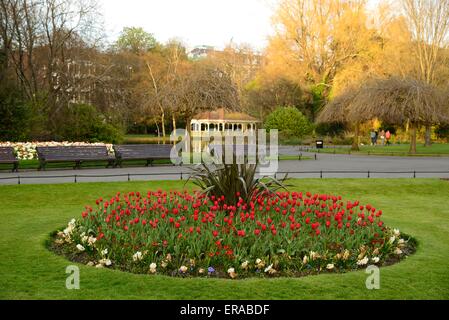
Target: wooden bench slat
75 154
7 156
147 152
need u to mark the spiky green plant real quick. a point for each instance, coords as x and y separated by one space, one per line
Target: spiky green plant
228 180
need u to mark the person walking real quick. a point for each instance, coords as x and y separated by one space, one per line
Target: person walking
388 137
373 137
382 137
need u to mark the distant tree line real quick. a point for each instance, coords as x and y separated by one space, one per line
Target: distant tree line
59 79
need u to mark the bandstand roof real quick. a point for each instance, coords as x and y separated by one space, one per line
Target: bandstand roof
224 115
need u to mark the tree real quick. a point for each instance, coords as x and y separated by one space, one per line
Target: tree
263 95
314 39
428 21
206 87
239 62
338 111
289 121
400 101
135 40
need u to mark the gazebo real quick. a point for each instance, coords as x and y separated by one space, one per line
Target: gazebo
223 121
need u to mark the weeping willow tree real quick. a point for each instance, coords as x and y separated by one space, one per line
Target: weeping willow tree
400 101
337 111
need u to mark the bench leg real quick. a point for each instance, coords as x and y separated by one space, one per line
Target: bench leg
148 163
42 165
77 165
15 167
110 164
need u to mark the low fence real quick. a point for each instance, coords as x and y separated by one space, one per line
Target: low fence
344 150
182 176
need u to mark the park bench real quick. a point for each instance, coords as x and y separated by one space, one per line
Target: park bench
7 156
76 154
148 152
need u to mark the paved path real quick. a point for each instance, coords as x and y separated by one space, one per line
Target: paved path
327 166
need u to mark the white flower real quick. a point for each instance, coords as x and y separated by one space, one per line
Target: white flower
270 270
70 227
153 267
392 239
363 262
398 251
164 264
105 262
314 255
138 256
375 259
231 272
305 260
201 271
245 265
84 239
90 264
91 241
183 269
260 263
330 266
104 252
267 269
80 247
397 233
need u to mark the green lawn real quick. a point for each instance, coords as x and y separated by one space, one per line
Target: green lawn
29 271
143 138
392 150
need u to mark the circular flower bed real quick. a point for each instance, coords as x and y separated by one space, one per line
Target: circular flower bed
182 234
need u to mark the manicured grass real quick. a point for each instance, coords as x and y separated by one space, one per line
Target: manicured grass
29 271
143 138
392 150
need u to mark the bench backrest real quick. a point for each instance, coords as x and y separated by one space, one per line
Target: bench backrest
143 151
72 152
7 153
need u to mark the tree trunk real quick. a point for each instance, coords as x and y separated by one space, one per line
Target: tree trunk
355 142
174 126
412 138
163 126
428 142
174 122
158 130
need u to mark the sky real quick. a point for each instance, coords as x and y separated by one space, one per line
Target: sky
195 22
